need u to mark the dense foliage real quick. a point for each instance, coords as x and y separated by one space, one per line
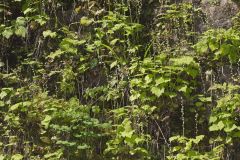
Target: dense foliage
115 79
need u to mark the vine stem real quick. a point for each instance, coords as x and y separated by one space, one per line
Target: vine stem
182 111
159 128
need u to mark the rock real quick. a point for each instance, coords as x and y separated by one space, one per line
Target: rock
219 13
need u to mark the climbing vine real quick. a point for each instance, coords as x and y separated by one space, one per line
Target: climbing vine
116 79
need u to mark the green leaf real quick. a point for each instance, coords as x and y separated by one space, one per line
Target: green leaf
213 45
21 31
95 109
212 119
41 19
183 60
113 64
17 157
233 56
20 104
55 54
157 91
205 99
46 121
45 140
3 94
202 47
162 80
28 10
49 33
2 104
127 128
82 147
66 143
225 49
2 157
148 78
21 21
14 107
113 42
236 134
214 127
183 89
55 155
70 45
198 139
7 33
230 128
174 138
229 140
85 21
220 125
217 127
134 96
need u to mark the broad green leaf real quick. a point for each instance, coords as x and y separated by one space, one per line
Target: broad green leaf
205 99
7 33
41 19
213 45
2 104
183 60
15 106
21 31
95 109
66 143
55 155
3 94
55 54
233 56
198 139
162 80
49 33
127 133
45 140
85 21
113 64
220 125
157 91
183 89
46 121
212 119
236 134
2 157
148 78
17 157
134 96
29 10
118 26
229 140
225 49
193 72
230 128
20 104
214 127
113 42
21 21
83 146
174 138
202 47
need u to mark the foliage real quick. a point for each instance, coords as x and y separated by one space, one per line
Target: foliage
92 80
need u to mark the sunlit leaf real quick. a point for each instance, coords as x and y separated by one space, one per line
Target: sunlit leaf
157 91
